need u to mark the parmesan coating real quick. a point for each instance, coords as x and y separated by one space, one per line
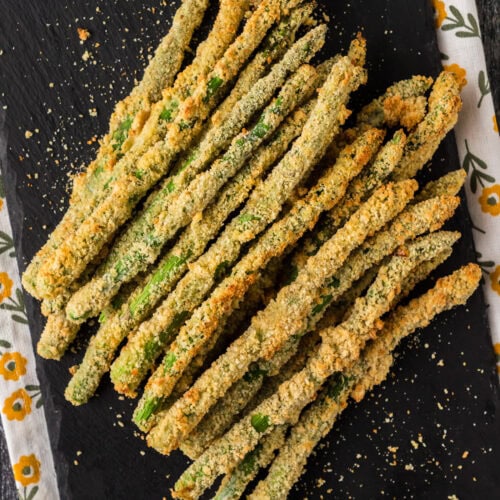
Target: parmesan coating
274 47
444 106
374 114
184 195
260 382
414 221
130 185
233 485
370 370
450 184
339 350
169 270
358 191
125 117
274 242
262 208
283 317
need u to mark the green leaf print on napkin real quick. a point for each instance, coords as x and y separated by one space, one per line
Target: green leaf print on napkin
457 22
6 244
18 308
484 86
473 163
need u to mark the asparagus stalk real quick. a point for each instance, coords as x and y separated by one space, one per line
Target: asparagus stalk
201 326
444 106
126 118
358 191
339 349
415 220
262 208
142 301
256 385
380 111
282 318
234 484
369 371
449 184
237 322
208 53
142 243
273 48
133 180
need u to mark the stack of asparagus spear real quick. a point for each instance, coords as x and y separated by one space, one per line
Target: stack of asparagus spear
250 248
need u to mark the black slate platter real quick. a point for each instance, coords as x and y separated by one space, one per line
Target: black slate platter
430 431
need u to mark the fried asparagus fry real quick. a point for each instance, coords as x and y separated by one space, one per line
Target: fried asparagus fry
340 348
282 318
358 191
184 195
234 484
380 111
123 121
449 184
262 208
274 47
170 269
132 181
256 385
370 370
208 53
444 106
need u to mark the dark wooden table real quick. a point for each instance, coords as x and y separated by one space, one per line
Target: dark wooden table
489 17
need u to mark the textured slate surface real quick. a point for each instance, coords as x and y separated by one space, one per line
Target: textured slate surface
355 459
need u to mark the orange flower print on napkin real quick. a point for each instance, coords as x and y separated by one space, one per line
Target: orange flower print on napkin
439 11
490 200
495 280
1 204
6 285
495 123
459 72
27 470
17 405
12 365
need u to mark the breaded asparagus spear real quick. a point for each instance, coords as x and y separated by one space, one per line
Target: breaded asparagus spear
58 332
428 215
245 395
321 318
369 371
339 349
380 111
217 138
202 325
444 106
450 184
125 119
271 328
273 48
358 191
142 243
262 208
208 52
132 181
117 268
234 484
170 269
